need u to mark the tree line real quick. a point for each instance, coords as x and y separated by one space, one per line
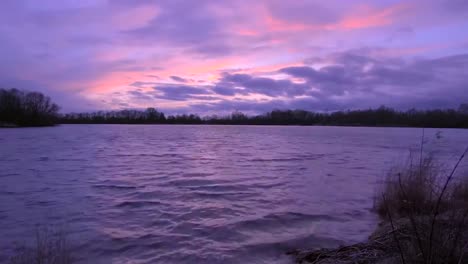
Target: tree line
22 108
382 116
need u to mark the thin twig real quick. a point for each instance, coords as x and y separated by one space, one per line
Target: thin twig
421 153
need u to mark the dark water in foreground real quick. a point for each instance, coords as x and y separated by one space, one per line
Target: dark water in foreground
199 194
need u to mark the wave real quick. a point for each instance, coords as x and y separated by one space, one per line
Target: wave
274 220
138 204
118 187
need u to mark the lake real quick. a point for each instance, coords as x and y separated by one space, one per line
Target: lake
200 194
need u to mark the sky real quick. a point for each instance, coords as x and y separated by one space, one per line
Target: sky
215 56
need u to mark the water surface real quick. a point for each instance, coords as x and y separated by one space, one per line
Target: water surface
200 194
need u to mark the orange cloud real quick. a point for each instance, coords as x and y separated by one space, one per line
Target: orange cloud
364 17
371 19
112 81
247 32
274 24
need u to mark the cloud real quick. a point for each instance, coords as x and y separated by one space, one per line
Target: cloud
186 24
179 92
226 90
300 11
178 79
235 54
247 84
351 79
140 95
141 84
329 80
418 80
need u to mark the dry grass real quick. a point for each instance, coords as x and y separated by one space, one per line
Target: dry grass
436 206
50 248
425 213
459 193
409 189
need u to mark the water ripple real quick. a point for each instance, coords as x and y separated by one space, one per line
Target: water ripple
197 194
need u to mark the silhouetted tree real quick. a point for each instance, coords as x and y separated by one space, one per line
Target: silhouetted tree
26 108
238 117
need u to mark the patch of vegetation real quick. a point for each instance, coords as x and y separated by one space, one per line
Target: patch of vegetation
49 248
424 216
410 189
435 207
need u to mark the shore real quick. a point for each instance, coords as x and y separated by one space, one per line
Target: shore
391 244
7 125
380 248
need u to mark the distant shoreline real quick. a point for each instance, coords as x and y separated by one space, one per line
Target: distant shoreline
380 117
32 109
9 126
280 125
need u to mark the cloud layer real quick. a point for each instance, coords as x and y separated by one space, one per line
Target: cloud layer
207 56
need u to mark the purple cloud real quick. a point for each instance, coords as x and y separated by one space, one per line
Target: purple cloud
179 92
228 54
248 84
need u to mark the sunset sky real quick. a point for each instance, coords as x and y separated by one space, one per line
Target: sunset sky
254 56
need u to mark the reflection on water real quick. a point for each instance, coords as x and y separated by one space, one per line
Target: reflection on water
199 194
